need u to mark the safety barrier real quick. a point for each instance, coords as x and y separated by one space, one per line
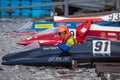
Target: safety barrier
29 12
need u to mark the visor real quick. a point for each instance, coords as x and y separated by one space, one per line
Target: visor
62 33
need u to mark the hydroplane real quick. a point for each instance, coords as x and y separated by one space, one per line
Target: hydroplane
100 28
45 37
114 17
97 44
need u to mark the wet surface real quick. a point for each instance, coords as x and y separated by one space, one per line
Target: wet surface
22 72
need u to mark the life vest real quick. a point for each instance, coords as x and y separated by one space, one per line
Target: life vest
69 42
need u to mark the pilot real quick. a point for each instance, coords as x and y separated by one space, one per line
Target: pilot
67 38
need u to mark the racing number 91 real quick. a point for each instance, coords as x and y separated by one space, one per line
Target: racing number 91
101 47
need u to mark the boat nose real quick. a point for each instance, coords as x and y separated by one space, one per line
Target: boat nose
22 43
6 57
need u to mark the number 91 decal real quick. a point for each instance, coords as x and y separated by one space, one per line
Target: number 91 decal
101 47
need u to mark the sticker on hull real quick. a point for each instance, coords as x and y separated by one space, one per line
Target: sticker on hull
102 47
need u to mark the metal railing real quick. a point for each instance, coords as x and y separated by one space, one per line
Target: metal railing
65 3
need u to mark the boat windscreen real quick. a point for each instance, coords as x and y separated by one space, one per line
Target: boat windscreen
28 47
47 31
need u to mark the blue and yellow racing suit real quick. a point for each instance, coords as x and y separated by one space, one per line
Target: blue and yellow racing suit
69 42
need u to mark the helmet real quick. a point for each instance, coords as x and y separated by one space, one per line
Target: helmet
63 32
